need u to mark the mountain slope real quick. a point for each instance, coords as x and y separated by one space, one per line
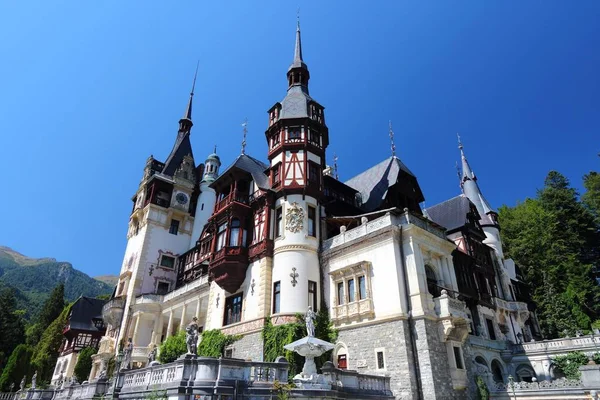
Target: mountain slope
33 279
110 280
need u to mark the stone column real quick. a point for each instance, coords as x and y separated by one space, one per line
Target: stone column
182 322
135 328
450 267
170 325
441 265
157 330
93 371
197 314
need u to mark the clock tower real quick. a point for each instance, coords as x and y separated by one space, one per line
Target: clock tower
297 138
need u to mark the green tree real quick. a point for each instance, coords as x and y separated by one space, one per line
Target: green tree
554 239
46 352
84 364
17 367
51 309
12 328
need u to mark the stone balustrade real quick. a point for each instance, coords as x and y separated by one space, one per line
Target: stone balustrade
588 343
353 382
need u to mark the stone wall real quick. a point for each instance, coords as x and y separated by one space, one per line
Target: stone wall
392 337
433 363
249 347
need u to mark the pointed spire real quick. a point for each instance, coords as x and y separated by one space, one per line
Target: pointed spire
215 151
188 110
335 167
245 125
298 48
470 186
393 146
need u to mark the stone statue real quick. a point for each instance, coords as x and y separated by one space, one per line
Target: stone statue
60 379
11 387
191 336
22 384
152 354
310 322
127 355
33 380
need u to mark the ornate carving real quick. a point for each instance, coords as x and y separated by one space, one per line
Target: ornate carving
186 169
294 218
294 275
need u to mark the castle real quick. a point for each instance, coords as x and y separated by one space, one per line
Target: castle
422 295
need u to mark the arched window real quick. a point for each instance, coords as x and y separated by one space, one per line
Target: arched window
525 373
432 285
341 356
497 371
234 234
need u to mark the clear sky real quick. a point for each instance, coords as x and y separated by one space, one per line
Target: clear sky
89 89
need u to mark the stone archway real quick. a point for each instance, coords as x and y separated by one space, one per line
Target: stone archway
340 356
525 373
497 371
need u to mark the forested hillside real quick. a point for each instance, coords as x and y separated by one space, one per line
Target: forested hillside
33 280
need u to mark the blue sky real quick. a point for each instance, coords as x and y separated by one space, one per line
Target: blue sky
88 90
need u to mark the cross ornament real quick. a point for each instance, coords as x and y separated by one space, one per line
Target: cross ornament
294 275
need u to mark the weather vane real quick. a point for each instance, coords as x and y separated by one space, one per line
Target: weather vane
245 125
393 146
460 146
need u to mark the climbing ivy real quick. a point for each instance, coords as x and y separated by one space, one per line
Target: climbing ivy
214 342
276 336
482 389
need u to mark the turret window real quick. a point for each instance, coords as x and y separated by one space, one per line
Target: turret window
276 297
278 222
311 221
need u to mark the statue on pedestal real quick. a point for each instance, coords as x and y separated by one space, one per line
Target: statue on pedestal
22 384
191 336
127 355
152 354
33 380
310 322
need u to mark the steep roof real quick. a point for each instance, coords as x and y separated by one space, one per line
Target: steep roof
182 148
452 213
251 165
373 184
83 311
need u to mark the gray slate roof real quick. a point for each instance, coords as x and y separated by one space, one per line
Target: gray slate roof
373 184
251 165
82 312
295 103
452 213
182 148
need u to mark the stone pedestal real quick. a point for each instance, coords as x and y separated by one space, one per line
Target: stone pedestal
590 376
310 347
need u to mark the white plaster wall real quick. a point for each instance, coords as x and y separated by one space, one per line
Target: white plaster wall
214 318
207 198
386 283
68 371
250 301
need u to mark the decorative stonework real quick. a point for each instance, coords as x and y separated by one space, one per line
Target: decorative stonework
294 275
294 218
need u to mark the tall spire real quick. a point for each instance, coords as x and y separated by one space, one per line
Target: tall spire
185 123
470 186
298 74
393 146
245 125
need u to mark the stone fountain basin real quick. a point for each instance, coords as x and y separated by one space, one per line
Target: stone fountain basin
309 346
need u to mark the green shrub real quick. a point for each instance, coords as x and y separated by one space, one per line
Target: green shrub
172 348
569 364
84 364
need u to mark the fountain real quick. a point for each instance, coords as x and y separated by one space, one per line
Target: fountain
310 347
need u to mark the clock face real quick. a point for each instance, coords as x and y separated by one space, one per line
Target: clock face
181 198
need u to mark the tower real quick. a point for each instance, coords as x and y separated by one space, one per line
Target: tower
297 138
160 228
207 197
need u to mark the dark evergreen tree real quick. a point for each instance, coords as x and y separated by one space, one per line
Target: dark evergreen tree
555 241
18 366
84 364
52 308
12 329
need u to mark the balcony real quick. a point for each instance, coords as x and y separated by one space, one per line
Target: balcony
234 199
112 312
353 311
453 315
260 249
228 267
